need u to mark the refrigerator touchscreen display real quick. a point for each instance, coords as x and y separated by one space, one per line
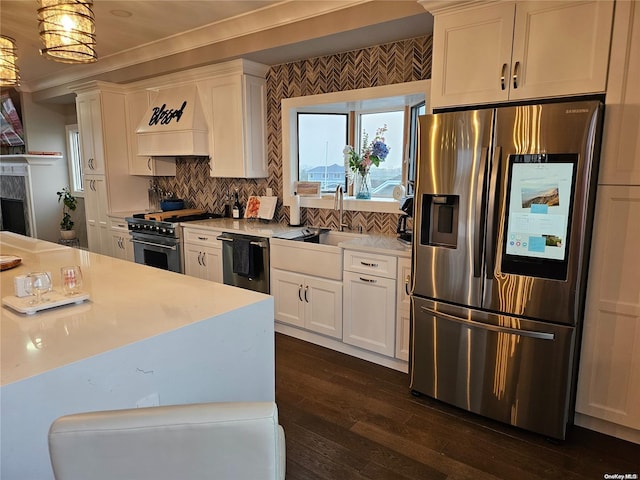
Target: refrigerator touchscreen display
539 203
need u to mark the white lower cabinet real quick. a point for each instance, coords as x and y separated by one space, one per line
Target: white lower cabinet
309 302
95 201
609 378
121 246
403 319
202 254
369 312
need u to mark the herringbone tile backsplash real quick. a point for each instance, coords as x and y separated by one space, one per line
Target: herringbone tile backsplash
398 62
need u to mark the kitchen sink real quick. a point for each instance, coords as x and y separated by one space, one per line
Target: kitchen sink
332 237
312 251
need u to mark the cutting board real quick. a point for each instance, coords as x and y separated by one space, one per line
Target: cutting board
161 216
260 207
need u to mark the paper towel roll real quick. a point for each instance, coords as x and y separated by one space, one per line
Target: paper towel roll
294 210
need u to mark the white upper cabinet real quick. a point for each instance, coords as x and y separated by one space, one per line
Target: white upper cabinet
620 158
136 106
89 110
238 128
515 51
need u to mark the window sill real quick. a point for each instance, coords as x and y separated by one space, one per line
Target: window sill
381 205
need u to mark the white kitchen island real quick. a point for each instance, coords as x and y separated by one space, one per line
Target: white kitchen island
145 337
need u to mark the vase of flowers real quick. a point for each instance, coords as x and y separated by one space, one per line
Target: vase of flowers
373 153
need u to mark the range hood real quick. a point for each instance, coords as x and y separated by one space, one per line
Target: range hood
174 125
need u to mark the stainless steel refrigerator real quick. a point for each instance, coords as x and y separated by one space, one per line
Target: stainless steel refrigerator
503 215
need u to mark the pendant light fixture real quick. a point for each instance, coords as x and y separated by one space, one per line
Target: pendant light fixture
8 68
67 30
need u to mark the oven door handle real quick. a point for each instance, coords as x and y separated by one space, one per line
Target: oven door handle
151 244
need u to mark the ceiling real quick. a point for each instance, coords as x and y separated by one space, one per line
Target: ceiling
146 38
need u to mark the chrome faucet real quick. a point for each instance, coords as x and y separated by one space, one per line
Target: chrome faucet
338 204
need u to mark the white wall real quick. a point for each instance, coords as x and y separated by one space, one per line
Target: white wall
44 131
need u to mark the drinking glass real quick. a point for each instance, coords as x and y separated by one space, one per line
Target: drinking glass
37 284
71 279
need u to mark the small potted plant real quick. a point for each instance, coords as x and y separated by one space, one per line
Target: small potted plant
69 204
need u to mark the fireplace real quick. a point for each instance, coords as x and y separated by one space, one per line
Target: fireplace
12 215
14 208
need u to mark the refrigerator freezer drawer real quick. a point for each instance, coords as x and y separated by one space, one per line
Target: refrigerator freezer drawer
512 370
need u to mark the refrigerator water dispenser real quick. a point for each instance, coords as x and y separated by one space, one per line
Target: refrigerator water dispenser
439 220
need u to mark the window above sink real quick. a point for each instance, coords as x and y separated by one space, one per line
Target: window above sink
351 109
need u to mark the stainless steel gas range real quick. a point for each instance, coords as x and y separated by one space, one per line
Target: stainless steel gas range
157 238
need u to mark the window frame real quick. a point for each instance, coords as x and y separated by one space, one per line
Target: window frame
403 94
346 132
74 162
358 134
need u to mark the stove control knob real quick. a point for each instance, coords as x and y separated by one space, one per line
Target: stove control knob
163 230
170 231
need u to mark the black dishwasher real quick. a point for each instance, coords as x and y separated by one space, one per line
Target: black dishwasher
245 261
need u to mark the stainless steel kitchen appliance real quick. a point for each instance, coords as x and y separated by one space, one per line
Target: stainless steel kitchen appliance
157 243
405 234
504 203
245 261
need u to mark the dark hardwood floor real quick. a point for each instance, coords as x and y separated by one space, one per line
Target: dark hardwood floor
346 418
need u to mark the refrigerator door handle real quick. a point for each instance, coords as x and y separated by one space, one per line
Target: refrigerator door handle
479 216
491 212
494 328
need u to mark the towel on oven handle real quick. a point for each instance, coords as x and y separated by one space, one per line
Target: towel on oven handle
243 261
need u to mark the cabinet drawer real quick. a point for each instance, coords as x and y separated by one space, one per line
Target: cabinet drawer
118 224
370 263
201 237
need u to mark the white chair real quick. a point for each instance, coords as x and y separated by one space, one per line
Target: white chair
232 441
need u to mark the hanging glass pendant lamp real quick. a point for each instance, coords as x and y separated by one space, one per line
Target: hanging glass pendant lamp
9 76
67 30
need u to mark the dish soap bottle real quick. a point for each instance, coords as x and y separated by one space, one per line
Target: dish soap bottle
235 210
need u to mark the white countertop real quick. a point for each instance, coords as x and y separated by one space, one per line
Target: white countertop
384 244
128 303
256 228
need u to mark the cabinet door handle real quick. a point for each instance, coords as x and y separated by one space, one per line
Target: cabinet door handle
367 264
368 280
300 292
200 258
516 72
503 77
204 259
203 238
149 164
306 289
407 280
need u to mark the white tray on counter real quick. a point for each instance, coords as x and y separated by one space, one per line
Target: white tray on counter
53 299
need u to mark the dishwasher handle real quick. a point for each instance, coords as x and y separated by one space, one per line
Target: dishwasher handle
257 243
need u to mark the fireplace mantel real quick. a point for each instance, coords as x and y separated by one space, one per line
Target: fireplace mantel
30 159
35 180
